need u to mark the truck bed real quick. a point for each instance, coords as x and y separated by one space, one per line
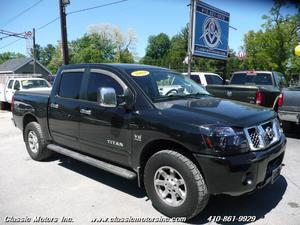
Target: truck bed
244 93
31 102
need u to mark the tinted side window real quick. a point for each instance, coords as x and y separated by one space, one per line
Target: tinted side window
280 80
17 85
70 85
97 80
238 78
10 84
213 79
196 78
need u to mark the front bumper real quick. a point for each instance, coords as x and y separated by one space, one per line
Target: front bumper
240 174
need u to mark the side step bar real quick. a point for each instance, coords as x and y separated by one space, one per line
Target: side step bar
94 162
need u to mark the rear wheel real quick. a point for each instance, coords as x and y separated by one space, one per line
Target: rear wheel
35 142
175 185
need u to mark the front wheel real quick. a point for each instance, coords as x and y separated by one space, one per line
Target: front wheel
175 185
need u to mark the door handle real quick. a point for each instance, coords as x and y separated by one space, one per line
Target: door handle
86 111
54 105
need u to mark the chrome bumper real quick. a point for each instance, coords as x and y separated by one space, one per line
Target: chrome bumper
289 116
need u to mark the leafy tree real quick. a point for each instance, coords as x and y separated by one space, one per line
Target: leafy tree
103 43
10 55
44 54
271 48
56 59
157 50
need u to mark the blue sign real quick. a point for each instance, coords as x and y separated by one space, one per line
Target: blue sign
210 31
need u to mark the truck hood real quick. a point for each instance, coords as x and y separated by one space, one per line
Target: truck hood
211 110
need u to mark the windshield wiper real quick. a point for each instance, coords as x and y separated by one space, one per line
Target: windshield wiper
197 94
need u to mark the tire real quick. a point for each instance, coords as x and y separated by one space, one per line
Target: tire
194 194
35 142
287 126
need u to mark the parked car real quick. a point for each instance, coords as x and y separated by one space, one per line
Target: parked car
8 89
289 107
205 78
255 87
183 147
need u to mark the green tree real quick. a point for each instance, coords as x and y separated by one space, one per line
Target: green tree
56 59
44 54
103 43
157 50
271 48
10 55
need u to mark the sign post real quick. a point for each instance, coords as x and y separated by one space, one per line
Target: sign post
190 39
209 30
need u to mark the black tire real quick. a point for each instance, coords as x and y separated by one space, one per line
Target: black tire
40 153
287 126
197 195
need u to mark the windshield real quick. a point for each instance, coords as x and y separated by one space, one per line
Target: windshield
27 84
248 79
161 84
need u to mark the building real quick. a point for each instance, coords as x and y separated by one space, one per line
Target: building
24 66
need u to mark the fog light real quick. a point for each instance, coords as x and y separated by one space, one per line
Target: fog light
248 179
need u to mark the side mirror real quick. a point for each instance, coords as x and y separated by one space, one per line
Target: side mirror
107 97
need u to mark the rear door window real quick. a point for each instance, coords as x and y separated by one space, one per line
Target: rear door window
70 84
10 84
17 85
196 78
213 79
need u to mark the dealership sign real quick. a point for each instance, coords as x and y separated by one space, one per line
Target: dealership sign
210 31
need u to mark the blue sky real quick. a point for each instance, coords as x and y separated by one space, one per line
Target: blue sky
145 17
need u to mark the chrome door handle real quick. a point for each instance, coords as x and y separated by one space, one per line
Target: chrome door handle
54 105
86 111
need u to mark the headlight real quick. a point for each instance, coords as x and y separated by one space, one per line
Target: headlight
225 139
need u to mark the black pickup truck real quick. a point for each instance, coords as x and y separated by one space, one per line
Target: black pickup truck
182 145
255 87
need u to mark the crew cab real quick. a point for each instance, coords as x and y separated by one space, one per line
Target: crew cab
255 87
182 146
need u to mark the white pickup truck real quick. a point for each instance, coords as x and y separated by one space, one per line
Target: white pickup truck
14 84
206 78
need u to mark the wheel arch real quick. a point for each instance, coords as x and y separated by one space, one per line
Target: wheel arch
162 144
28 118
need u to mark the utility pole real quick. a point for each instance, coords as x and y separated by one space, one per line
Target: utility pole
190 54
63 24
33 50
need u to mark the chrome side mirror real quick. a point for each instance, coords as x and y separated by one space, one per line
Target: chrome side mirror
106 97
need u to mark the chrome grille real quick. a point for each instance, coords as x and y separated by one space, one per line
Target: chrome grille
254 136
263 135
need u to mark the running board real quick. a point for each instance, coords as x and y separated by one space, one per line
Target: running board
94 162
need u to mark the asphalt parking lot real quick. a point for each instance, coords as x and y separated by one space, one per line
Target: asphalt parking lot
66 188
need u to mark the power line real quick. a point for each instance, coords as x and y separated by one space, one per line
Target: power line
70 13
81 10
21 13
10 43
45 25
95 7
